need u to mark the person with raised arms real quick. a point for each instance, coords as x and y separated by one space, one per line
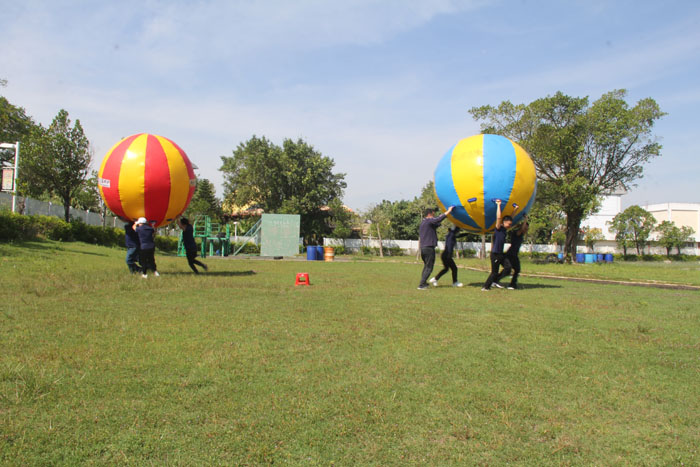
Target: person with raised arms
498 258
427 241
516 241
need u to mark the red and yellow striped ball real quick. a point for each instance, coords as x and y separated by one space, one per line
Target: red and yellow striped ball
147 176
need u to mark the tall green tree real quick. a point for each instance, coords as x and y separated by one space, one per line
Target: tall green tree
581 150
341 220
15 125
204 201
88 197
57 160
633 226
291 179
672 236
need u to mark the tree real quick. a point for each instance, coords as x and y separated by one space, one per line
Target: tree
14 122
685 236
544 220
88 197
581 151
204 201
592 236
341 220
379 217
15 125
633 226
292 179
57 160
670 236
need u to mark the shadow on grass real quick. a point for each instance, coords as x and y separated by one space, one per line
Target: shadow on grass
213 273
520 286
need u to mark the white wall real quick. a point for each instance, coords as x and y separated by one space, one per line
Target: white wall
610 207
410 247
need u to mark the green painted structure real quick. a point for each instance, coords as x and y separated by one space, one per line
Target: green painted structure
213 237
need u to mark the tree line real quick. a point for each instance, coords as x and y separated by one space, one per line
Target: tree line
582 151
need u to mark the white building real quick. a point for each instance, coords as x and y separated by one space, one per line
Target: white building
681 214
610 206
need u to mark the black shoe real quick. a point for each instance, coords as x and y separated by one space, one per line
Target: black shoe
497 285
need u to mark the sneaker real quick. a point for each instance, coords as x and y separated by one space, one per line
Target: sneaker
422 287
457 284
484 289
156 274
144 276
433 282
497 285
512 287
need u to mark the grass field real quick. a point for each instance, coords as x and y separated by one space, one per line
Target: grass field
239 366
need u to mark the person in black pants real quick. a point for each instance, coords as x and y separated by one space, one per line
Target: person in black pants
147 239
516 241
133 247
498 258
447 262
190 244
427 240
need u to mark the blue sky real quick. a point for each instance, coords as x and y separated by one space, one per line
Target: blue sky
382 87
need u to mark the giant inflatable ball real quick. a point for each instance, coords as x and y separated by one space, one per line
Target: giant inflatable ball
480 169
149 176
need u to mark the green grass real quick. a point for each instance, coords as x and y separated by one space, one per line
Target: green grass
239 366
684 273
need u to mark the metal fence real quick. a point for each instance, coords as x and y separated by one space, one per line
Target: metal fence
31 206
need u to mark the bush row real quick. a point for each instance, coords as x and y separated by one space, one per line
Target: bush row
18 227
620 257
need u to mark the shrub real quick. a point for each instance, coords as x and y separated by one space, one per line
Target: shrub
393 251
248 248
18 227
164 243
467 252
338 249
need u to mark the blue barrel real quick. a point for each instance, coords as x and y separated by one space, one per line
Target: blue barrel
310 253
319 253
609 258
580 257
590 258
600 258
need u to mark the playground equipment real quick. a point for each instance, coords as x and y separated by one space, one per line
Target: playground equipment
480 169
148 176
214 238
277 235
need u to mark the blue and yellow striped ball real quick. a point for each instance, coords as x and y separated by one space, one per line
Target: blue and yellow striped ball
479 169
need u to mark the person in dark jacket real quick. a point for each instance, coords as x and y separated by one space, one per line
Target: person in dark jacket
189 244
447 262
147 235
133 247
427 241
516 241
498 258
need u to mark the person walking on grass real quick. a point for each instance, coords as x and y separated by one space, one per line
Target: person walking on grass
427 241
133 247
498 258
189 244
147 239
448 262
516 241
